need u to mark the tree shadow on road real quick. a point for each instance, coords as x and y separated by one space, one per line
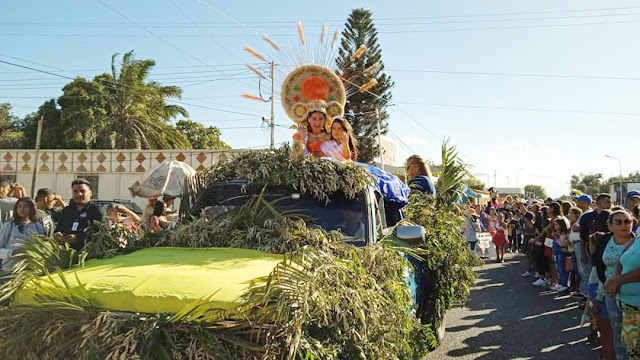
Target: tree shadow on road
508 318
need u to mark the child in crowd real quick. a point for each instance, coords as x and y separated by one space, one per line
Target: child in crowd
561 243
499 237
528 232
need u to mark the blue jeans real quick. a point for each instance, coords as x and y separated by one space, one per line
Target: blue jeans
560 258
615 317
585 271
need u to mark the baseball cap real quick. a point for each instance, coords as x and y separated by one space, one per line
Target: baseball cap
585 198
633 193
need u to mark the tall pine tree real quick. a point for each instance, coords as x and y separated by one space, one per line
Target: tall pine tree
360 108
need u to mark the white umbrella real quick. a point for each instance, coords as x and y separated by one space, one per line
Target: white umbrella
165 179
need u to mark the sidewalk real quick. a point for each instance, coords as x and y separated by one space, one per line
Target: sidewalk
508 318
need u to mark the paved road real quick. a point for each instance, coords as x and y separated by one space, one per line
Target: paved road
508 318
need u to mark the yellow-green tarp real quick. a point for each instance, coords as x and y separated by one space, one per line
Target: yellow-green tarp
163 280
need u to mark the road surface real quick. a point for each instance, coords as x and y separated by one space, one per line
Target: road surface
508 318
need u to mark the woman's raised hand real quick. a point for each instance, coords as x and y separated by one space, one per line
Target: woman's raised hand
344 137
304 132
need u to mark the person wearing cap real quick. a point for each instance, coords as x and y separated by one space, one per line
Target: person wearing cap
633 199
78 216
472 228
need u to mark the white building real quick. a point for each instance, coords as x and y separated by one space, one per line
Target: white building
111 172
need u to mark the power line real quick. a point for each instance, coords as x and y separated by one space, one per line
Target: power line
211 108
440 138
38 70
291 35
66 77
162 39
516 74
520 109
239 67
341 21
402 142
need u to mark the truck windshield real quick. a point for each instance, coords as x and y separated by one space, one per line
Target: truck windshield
346 215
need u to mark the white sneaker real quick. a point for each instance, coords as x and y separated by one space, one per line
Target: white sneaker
554 288
539 282
562 288
526 274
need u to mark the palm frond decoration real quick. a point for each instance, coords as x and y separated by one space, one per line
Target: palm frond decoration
449 261
313 176
451 179
42 256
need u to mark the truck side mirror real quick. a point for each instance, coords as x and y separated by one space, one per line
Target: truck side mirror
413 233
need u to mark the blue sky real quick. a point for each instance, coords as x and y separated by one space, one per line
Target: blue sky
516 85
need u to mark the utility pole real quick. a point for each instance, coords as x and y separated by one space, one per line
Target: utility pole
273 125
620 168
35 163
379 139
495 178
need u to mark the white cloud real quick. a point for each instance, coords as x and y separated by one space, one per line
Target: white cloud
414 140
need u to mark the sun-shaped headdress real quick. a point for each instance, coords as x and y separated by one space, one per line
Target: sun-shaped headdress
312 85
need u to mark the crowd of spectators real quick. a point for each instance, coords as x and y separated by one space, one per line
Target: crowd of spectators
587 248
67 223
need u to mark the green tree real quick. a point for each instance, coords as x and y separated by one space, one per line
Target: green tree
474 183
588 183
201 137
117 110
536 191
10 135
634 176
56 133
361 106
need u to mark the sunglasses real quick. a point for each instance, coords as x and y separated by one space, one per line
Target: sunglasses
621 222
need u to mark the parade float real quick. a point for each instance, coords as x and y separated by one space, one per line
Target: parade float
280 254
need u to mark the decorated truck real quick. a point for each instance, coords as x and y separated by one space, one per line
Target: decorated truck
280 257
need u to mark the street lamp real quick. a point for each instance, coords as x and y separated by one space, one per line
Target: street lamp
620 167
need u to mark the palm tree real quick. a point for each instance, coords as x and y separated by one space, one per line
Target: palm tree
122 110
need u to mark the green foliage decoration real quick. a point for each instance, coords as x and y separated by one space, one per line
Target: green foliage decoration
450 262
316 177
326 300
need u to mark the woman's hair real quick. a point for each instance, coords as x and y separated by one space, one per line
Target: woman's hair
353 143
566 206
616 208
636 211
33 213
555 209
576 210
43 193
324 128
562 223
509 198
422 165
159 208
544 213
529 216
